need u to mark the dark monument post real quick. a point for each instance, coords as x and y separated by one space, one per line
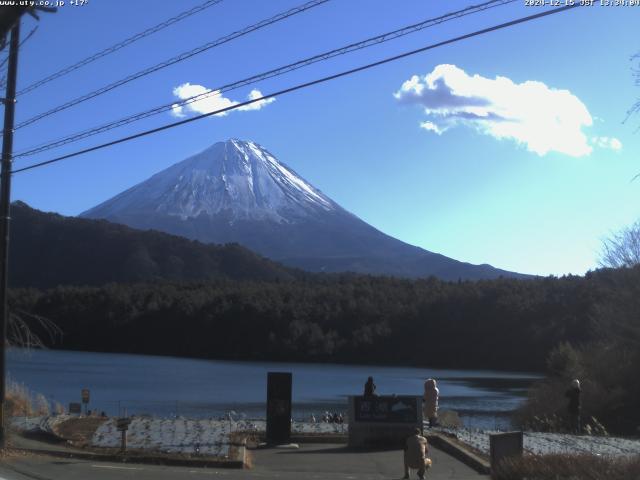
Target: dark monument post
278 407
504 445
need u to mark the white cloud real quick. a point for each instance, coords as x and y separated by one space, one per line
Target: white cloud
253 94
543 119
177 111
213 102
432 127
611 143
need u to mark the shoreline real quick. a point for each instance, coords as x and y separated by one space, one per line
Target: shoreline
167 386
505 373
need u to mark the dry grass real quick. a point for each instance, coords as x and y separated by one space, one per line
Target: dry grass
568 467
79 431
58 408
20 401
42 405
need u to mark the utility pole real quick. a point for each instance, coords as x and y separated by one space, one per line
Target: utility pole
5 212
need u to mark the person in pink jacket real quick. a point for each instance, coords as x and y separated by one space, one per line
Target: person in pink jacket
430 402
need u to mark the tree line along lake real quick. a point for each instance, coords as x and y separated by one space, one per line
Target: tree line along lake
170 386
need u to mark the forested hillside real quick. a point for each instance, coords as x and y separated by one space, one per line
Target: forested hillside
504 323
47 250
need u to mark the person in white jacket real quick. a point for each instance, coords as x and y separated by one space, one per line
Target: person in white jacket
415 454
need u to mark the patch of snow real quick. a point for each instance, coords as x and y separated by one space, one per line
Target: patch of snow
289 177
240 178
179 435
540 443
184 435
27 424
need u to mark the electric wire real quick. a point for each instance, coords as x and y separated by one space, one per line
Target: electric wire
124 43
24 40
369 42
172 61
301 86
3 80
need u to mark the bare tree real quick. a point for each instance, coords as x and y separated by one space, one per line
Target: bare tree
26 330
635 108
622 249
618 320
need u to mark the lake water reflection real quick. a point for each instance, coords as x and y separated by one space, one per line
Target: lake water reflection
169 386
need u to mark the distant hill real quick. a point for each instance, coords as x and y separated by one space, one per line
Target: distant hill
48 249
237 191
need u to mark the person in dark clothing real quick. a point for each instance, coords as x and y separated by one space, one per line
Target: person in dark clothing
574 406
369 388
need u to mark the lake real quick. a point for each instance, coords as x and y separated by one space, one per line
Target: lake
168 386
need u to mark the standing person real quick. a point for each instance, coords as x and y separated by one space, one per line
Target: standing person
415 454
430 402
369 388
574 406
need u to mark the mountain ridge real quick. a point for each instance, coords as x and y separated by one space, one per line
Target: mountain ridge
237 191
48 249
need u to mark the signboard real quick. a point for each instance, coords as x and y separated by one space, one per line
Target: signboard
387 409
122 424
85 395
383 420
503 445
75 408
279 407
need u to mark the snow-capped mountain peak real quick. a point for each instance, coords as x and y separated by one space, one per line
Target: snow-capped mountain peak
237 191
283 175
238 178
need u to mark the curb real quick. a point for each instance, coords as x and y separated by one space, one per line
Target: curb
315 438
238 463
467 457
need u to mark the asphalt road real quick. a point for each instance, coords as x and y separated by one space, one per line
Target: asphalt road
309 462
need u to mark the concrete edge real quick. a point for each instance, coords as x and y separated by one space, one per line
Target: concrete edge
237 463
457 451
319 438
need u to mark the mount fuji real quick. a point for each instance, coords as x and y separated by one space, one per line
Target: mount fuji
236 191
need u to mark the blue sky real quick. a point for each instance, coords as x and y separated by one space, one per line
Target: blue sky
528 172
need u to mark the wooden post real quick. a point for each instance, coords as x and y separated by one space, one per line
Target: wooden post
5 213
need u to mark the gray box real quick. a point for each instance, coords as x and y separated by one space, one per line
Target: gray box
505 445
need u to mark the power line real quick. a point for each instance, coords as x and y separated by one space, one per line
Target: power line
3 80
174 60
24 40
369 42
120 45
301 86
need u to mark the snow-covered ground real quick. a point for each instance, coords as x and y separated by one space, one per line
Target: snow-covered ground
212 436
179 435
182 435
172 435
545 443
38 424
